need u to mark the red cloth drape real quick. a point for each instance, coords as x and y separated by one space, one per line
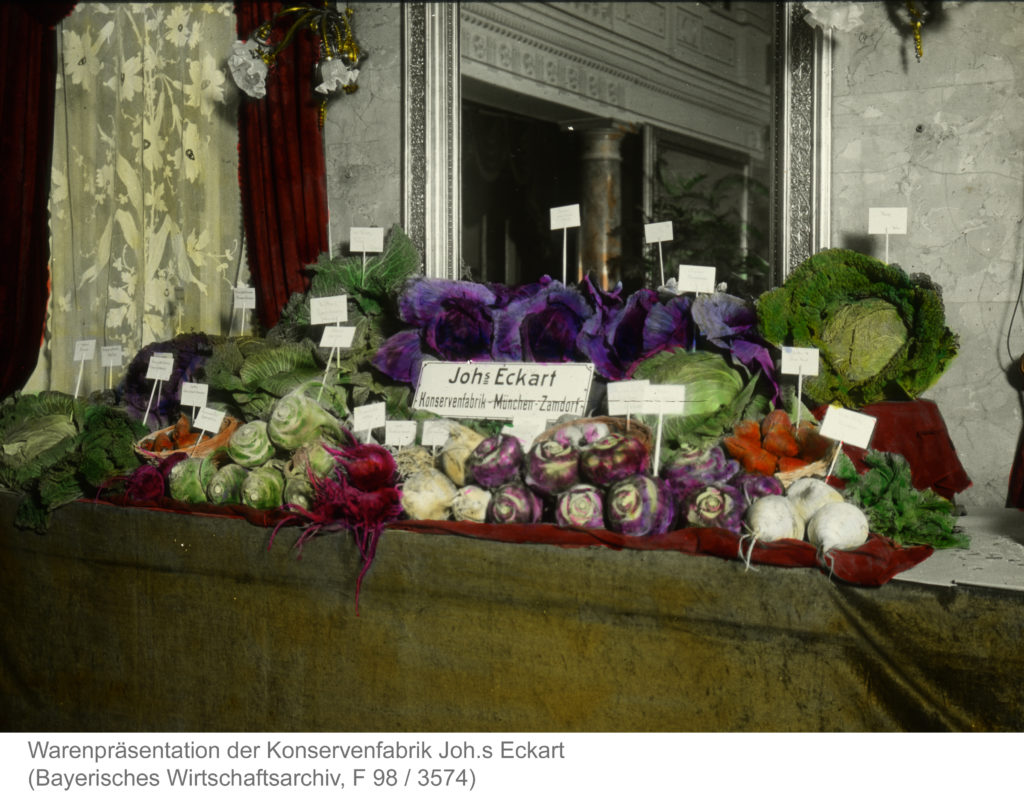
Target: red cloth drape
28 64
916 430
281 170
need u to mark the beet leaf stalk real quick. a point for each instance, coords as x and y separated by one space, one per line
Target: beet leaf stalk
360 496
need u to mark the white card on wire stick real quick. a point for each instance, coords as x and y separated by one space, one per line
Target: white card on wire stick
337 336
435 433
194 394
887 220
161 365
366 240
658 232
399 432
799 361
209 419
85 350
693 278
328 310
111 355
626 397
849 427
565 217
245 297
665 398
368 417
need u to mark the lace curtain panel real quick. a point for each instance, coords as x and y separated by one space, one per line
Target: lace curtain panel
145 219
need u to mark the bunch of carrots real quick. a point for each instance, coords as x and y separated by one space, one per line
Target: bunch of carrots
775 444
179 437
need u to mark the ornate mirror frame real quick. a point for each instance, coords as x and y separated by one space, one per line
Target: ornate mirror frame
432 174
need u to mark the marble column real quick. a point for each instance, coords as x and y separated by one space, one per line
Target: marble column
600 199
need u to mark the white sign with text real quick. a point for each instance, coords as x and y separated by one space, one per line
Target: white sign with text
503 390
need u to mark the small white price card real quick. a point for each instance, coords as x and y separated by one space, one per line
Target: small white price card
626 397
799 361
435 433
245 297
112 355
526 429
399 432
665 399
337 336
369 416
328 310
194 394
85 350
887 220
366 240
209 419
848 427
161 365
658 232
565 217
693 278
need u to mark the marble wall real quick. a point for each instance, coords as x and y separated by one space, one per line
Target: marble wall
363 131
944 137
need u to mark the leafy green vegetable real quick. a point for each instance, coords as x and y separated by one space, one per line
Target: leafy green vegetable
894 507
881 333
36 431
55 449
717 394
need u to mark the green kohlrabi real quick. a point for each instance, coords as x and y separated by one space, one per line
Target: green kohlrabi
250 445
297 419
226 484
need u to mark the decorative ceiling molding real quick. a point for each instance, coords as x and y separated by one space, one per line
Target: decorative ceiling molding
679 66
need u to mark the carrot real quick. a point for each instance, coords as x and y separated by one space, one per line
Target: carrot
788 463
781 443
161 443
748 429
813 445
776 420
181 428
739 446
750 454
760 461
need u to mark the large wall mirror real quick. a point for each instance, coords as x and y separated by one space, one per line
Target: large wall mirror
711 115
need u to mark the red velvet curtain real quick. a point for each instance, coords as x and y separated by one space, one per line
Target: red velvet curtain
282 171
28 64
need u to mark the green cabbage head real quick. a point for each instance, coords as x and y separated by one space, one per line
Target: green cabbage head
880 332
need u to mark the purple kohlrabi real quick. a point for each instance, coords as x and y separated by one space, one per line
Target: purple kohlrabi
581 506
692 467
496 460
551 467
640 506
612 458
514 502
753 485
719 505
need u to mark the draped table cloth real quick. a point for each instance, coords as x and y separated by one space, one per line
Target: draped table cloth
130 619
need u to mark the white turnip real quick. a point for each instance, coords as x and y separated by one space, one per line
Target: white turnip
770 518
840 526
810 494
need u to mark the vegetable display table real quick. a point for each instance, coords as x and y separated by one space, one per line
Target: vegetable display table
126 619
